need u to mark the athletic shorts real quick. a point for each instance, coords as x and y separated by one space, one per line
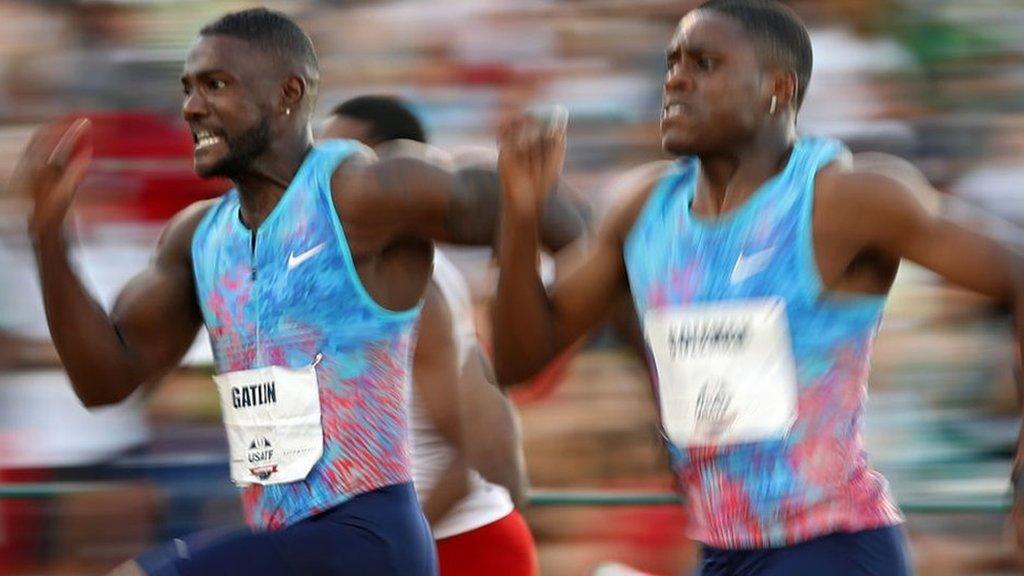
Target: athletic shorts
869 553
380 533
502 548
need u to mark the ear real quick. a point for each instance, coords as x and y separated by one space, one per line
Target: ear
293 91
783 85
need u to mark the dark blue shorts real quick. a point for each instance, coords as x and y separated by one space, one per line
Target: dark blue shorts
870 553
381 532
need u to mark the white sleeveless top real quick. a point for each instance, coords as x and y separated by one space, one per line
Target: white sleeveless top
431 454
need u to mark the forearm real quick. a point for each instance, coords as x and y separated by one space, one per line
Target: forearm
98 365
449 489
491 438
503 464
524 339
20 353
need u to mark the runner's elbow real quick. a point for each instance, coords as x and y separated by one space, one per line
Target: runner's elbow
518 357
94 400
92 396
511 374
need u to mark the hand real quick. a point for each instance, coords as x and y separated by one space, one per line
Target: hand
530 161
49 172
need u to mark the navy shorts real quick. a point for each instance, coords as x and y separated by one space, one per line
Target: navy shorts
381 532
869 553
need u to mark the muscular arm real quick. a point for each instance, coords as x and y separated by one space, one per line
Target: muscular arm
435 380
152 325
531 326
894 210
563 221
386 200
493 444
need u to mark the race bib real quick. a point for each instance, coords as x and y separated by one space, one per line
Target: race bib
726 373
272 418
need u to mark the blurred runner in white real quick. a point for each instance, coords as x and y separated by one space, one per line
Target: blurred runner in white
467 456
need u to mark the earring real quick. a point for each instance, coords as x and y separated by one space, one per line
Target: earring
288 111
775 102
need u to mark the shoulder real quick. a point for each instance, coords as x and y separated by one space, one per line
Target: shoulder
356 164
176 239
631 191
365 181
870 192
402 148
873 181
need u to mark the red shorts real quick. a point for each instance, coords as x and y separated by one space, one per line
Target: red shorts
501 548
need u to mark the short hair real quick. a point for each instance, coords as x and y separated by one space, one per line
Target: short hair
778 29
390 118
272 32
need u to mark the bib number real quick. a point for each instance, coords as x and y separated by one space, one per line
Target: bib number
272 419
726 373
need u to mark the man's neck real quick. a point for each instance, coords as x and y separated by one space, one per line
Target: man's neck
263 184
729 179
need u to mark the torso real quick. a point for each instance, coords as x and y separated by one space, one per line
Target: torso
296 296
786 481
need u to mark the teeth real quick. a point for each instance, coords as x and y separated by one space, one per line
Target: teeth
672 110
204 139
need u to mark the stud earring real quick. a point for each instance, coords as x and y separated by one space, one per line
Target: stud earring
775 102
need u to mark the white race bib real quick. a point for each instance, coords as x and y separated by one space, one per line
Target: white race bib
272 418
726 373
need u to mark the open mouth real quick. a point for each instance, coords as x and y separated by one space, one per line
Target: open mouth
672 110
203 139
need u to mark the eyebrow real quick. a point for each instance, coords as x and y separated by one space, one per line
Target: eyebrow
678 50
203 72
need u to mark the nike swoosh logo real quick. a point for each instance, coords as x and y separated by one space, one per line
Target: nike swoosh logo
747 266
294 260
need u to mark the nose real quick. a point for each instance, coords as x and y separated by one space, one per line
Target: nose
193 107
678 79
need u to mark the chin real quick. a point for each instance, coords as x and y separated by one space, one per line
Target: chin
216 169
205 170
678 147
201 170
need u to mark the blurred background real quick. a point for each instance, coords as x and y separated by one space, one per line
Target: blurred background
940 82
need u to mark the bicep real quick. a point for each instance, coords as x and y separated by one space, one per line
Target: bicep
157 313
964 255
907 220
435 370
157 318
408 197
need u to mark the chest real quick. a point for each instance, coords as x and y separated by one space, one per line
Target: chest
290 268
673 259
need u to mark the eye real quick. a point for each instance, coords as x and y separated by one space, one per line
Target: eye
216 84
705 63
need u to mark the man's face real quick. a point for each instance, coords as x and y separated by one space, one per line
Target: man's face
229 98
713 95
346 127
